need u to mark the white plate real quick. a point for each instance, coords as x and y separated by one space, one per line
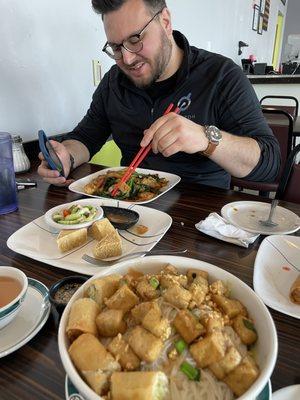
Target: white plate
31 318
287 393
78 186
72 393
275 271
246 215
36 240
83 202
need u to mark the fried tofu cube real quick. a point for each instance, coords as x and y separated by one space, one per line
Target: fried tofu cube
169 269
178 296
103 288
194 273
140 310
241 378
123 299
146 291
209 350
219 287
199 289
123 353
230 361
145 345
169 280
244 327
187 326
231 307
110 323
155 324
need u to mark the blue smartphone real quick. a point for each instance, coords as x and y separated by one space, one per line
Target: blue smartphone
49 153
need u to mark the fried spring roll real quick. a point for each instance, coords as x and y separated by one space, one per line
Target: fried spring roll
82 318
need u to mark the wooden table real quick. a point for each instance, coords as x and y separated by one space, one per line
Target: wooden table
35 372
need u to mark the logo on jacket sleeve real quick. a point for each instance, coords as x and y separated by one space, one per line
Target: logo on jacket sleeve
184 103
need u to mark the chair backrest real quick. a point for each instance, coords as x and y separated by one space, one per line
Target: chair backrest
293 110
109 155
289 185
283 131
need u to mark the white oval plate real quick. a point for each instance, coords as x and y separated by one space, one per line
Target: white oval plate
287 393
276 267
88 202
246 215
78 186
31 318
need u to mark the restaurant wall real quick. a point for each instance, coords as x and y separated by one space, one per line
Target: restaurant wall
47 48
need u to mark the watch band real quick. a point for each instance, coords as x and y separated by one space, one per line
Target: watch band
211 147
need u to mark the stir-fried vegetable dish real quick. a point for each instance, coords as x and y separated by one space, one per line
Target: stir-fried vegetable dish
140 187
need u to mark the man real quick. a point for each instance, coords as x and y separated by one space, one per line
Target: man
220 130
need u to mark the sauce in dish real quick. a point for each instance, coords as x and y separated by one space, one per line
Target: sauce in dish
120 218
10 288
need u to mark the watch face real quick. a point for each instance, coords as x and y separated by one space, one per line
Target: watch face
214 134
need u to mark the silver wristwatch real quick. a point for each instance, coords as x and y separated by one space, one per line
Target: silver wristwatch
214 137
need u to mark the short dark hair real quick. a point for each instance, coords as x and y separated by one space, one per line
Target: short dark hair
105 6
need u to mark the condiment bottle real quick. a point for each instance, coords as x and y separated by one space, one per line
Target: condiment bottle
21 161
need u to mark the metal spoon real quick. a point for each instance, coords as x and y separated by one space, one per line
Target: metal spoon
269 222
100 263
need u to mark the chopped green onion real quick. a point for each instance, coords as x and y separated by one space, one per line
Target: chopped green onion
154 282
249 325
180 346
191 372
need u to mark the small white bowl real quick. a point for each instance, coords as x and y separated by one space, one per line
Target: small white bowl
8 312
88 202
266 346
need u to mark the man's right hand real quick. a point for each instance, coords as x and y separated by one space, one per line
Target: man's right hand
52 176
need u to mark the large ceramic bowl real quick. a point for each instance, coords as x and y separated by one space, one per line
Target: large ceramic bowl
266 346
8 312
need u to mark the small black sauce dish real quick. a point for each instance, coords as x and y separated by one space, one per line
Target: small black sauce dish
61 292
120 218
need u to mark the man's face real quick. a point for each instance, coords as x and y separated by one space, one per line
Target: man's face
148 65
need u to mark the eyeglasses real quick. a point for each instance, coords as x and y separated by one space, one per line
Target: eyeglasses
133 44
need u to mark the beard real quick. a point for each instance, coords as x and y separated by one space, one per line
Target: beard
158 64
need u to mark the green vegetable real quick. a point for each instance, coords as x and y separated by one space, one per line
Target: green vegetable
180 346
154 282
76 214
191 372
249 325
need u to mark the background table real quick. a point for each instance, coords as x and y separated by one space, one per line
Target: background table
35 372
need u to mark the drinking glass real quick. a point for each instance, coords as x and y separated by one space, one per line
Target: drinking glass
8 191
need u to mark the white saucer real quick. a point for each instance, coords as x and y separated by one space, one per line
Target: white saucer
246 215
72 393
287 393
276 267
31 318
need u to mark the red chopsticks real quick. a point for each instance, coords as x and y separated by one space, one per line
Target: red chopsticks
139 157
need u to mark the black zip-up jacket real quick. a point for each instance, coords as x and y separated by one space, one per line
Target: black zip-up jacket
214 91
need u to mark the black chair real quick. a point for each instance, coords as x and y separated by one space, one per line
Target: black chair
283 131
289 185
292 110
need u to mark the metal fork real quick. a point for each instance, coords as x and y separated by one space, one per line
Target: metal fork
95 261
269 222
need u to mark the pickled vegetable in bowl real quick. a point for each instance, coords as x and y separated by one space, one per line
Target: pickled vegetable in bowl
78 214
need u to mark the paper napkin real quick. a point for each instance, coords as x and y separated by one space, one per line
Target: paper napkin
216 226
